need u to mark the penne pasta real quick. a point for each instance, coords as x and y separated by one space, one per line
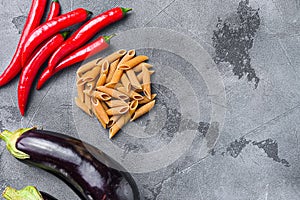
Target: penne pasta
113 120
82 106
103 74
104 105
101 96
133 80
113 57
116 77
126 83
99 118
113 93
112 69
146 82
140 75
146 100
116 103
99 110
117 110
124 119
132 94
143 110
91 75
87 67
132 63
87 101
80 88
138 68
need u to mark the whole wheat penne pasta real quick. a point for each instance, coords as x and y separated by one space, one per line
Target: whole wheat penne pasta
116 103
113 93
133 62
104 105
140 75
87 101
133 79
91 75
98 108
126 83
132 94
88 66
80 88
146 100
138 68
103 74
146 82
99 118
112 69
113 57
91 86
82 106
117 110
118 73
101 96
113 120
124 119
143 110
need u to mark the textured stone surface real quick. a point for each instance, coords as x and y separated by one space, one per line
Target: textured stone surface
257 155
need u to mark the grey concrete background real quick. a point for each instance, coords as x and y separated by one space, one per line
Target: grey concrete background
257 155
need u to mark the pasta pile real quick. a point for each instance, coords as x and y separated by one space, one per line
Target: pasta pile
116 89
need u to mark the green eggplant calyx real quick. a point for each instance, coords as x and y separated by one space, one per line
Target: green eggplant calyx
10 138
28 193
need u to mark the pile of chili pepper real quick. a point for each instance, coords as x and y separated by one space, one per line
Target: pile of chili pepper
42 41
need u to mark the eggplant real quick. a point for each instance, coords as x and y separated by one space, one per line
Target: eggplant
92 174
27 193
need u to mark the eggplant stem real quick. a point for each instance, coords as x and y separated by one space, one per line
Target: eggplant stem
29 192
10 138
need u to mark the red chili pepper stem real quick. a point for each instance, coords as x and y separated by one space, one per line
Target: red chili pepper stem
108 38
65 34
55 0
126 10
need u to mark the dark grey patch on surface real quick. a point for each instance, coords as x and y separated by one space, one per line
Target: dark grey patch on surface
19 22
234 38
270 147
1 126
235 148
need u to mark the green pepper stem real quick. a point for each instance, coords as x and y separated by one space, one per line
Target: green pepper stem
125 10
10 138
29 192
65 34
107 38
55 1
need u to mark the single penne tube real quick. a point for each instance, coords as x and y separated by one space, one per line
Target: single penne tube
113 120
98 108
138 68
132 94
80 88
91 75
104 105
113 93
82 106
133 62
143 110
117 110
103 74
116 103
146 82
99 118
126 83
101 96
140 75
133 80
128 56
113 57
146 100
112 69
124 119
87 67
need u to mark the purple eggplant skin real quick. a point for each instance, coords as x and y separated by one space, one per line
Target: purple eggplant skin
88 171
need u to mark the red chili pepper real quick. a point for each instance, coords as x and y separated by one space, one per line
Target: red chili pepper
32 67
86 32
50 28
75 57
33 20
54 10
